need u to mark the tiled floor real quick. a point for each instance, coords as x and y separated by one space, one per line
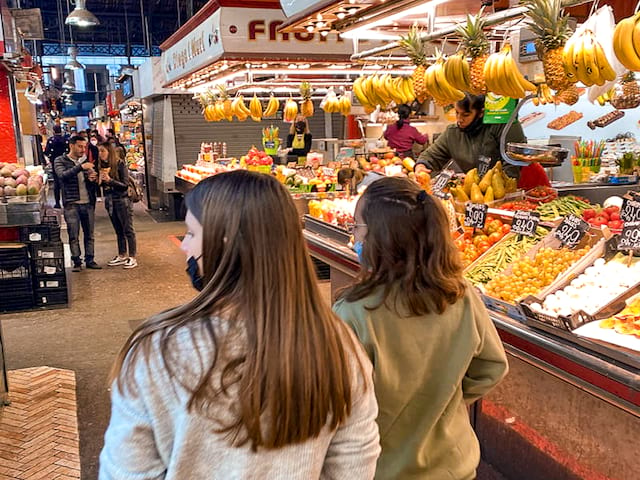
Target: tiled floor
39 429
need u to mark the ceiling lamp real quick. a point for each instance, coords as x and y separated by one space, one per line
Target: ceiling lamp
81 17
73 63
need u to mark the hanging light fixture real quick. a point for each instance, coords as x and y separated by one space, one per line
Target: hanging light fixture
73 63
68 82
81 17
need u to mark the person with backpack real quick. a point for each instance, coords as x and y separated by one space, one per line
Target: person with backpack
114 178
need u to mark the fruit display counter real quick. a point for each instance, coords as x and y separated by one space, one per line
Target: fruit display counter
566 376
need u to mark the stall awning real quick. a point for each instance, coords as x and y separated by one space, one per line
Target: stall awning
231 34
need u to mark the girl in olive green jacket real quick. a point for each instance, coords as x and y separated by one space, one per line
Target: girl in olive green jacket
433 346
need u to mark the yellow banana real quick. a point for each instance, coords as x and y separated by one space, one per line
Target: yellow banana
510 76
588 57
242 107
449 93
623 45
272 107
358 91
407 85
487 73
567 60
578 60
255 108
635 39
607 73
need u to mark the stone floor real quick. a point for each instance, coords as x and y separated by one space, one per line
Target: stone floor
105 306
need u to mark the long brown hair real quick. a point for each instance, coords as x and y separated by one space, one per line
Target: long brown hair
113 160
295 372
407 250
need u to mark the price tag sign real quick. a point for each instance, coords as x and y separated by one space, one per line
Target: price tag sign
442 180
525 222
629 239
328 172
475 215
484 164
441 194
571 230
630 211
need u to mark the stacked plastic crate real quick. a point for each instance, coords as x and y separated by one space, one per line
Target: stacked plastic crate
15 278
47 262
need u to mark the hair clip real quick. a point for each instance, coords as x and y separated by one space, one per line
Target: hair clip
422 196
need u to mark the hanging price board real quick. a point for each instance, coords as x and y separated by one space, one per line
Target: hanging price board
630 211
484 164
442 180
525 222
629 239
475 215
571 230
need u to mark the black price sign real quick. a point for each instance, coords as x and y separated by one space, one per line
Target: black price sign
571 230
483 165
629 239
525 222
630 211
475 215
442 180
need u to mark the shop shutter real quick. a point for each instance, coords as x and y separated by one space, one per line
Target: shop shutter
155 162
191 130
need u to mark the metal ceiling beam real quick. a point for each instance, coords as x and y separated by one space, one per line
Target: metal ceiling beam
491 19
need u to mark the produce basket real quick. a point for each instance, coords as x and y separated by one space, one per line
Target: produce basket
541 194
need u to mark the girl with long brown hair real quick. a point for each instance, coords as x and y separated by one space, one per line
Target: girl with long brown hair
253 378
432 343
114 178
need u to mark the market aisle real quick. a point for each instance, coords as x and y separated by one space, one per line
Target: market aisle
105 304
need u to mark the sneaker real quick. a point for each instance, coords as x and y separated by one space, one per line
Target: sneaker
131 263
77 267
94 266
117 260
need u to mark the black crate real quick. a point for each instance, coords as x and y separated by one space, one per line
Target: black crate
13 257
46 250
17 295
40 233
50 220
48 282
54 296
48 266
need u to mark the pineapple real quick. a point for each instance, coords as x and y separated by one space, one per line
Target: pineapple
547 22
476 45
306 108
630 87
569 95
414 46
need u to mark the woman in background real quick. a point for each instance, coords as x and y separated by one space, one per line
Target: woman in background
299 139
434 348
114 179
255 378
402 135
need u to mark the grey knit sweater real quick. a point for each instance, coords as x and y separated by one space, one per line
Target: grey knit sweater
151 434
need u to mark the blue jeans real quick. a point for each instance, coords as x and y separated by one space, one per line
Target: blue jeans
77 215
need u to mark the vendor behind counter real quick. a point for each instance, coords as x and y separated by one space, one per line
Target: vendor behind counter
401 136
299 140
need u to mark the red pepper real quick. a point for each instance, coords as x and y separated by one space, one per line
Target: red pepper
532 176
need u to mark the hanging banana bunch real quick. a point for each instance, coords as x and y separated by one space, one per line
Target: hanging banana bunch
626 42
272 107
226 102
330 103
584 60
437 85
457 72
240 109
255 109
290 110
502 76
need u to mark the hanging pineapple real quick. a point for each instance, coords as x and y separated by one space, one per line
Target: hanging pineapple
630 87
550 26
476 46
414 46
306 107
226 102
569 95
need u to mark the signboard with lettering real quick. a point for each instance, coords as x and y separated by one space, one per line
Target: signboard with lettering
197 49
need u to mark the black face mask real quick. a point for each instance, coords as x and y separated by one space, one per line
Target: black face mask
193 270
474 126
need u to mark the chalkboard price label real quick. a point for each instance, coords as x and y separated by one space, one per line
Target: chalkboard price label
442 180
525 222
629 239
571 230
483 165
630 211
475 215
